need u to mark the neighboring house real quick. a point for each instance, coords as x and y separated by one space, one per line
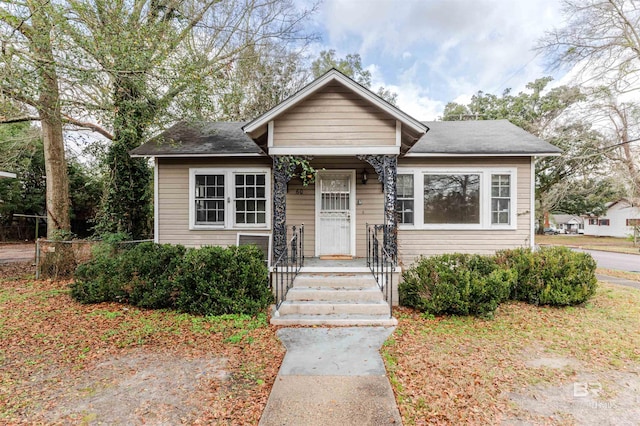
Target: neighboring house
439 187
568 223
618 221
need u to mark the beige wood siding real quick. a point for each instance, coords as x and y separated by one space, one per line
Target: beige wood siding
414 243
334 116
173 219
301 202
173 202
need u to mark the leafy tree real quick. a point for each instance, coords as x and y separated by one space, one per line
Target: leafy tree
126 70
22 152
86 189
351 66
162 60
586 195
544 113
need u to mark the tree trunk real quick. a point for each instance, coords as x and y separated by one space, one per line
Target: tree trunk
57 197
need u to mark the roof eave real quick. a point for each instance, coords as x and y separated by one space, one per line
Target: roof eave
183 155
330 76
483 154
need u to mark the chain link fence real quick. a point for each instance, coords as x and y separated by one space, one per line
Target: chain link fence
59 259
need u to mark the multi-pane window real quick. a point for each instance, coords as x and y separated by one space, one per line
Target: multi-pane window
250 201
500 199
603 222
227 198
451 198
209 199
405 199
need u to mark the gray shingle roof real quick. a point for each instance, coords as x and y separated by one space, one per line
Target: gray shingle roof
482 137
488 137
185 139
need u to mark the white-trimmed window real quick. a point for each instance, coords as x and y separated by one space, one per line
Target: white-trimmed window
209 199
451 198
500 199
405 198
229 198
460 198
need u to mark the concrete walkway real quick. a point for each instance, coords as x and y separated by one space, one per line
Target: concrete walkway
332 376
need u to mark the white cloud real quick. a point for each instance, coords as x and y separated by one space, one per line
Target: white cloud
446 48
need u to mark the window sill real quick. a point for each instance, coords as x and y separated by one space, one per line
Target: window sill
455 228
224 228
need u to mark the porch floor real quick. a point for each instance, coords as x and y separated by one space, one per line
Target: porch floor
358 264
315 264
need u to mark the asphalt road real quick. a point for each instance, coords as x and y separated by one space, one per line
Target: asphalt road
620 261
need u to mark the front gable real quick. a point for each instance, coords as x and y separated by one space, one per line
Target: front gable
336 116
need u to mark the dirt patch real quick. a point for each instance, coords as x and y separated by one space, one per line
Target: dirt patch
139 388
603 398
610 397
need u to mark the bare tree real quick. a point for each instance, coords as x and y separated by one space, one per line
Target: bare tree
29 77
621 120
127 69
601 38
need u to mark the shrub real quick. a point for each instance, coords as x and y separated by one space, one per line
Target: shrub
216 281
151 269
554 276
459 284
98 281
141 275
208 281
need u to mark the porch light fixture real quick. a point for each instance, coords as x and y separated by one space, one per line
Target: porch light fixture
365 178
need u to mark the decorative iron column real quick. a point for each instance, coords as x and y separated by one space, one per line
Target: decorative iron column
283 169
386 166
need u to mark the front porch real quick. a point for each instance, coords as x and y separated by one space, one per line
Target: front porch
345 292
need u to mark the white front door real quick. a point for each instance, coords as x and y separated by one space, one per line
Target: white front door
335 213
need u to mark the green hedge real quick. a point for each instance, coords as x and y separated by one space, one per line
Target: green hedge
462 284
459 284
208 281
554 276
216 281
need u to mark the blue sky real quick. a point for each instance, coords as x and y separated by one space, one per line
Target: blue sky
434 51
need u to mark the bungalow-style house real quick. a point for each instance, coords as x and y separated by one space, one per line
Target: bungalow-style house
568 223
619 220
389 188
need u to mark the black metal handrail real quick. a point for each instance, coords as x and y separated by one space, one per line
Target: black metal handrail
286 267
380 261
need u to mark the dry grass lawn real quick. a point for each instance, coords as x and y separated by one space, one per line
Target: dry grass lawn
67 363
620 245
455 370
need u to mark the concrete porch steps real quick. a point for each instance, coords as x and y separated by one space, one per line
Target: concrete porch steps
336 298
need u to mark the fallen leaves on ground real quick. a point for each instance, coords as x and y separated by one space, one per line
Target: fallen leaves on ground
460 370
54 351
